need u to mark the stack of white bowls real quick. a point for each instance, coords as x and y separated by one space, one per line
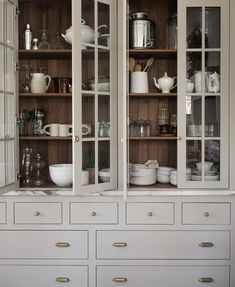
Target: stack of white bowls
163 174
173 177
143 175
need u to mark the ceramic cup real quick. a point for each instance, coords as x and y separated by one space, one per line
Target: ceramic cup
139 82
65 130
86 129
53 130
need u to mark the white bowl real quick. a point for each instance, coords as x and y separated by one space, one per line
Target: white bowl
173 182
207 165
104 175
101 86
163 179
164 169
61 174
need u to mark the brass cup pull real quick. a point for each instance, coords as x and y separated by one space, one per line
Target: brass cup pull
37 213
206 280
76 139
119 244
206 244
179 138
93 213
206 214
62 279
150 213
119 279
62 244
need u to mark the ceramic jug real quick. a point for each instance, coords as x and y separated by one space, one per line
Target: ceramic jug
39 83
213 83
165 83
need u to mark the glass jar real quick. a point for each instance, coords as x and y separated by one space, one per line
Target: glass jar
23 130
148 128
171 32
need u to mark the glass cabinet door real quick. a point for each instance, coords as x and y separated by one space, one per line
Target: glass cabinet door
95 96
203 93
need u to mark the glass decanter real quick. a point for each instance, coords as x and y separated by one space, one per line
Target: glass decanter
58 45
44 44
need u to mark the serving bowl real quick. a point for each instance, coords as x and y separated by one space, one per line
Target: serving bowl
207 165
61 174
104 175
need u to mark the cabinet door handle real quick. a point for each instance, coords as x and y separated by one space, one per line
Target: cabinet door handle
62 279
119 244
37 213
62 244
150 213
206 214
206 280
93 213
206 244
119 279
76 139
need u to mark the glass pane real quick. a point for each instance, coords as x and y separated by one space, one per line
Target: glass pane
88 162
103 24
212 116
88 116
194 155
9 76
193 116
212 61
2 112
88 71
10 115
10 161
194 74
104 161
212 160
1 68
212 27
10 20
103 70
2 164
2 21
194 27
88 22
103 116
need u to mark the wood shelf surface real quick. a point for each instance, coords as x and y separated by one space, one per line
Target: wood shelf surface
59 95
152 187
152 95
159 53
153 138
45 54
44 138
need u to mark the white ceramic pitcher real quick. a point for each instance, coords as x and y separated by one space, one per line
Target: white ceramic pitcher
40 83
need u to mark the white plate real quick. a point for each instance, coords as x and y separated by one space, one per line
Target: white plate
142 182
207 172
207 178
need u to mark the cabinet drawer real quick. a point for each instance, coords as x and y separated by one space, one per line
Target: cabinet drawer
38 276
3 209
167 276
93 213
150 213
163 244
44 244
206 213
38 213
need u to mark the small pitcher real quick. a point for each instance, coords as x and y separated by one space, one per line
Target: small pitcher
40 83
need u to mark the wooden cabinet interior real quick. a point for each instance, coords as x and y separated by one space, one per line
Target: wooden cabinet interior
56 16
147 106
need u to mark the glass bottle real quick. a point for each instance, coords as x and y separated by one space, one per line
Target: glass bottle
172 32
26 166
39 167
25 86
44 44
23 131
58 45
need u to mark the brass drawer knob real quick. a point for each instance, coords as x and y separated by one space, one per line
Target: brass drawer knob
150 213
119 244
206 244
206 280
119 279
62 279
93 213
37 213
206 214
62 244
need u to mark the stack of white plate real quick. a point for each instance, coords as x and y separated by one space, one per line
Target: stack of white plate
142 175
210 172
163 174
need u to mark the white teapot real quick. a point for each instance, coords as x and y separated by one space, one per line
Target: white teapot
39 83
213 83
87 33
165 83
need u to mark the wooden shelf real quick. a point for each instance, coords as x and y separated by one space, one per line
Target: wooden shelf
158 53
44 138
153 138
152 95
152 187
47 185
51 95
45 54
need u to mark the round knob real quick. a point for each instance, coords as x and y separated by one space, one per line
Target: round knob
93 213
37 213
206 214
150 213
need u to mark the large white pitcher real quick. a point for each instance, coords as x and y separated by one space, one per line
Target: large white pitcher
39 83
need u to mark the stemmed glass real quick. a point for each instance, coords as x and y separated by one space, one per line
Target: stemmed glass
25 86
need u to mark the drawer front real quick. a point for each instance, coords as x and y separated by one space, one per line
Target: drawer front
163 244
3 210
206 213
38 213
93 213
44 244
150 213
167 276
44 276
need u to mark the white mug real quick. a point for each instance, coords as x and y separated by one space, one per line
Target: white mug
139 82
86 129
53 130
65 130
